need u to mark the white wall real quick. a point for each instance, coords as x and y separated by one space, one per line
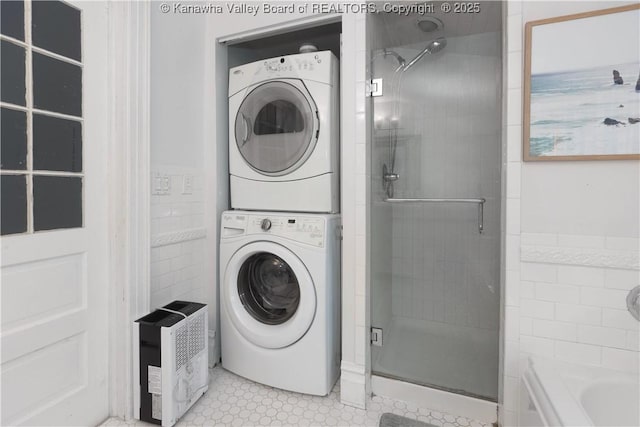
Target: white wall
177 84
178 234
571 244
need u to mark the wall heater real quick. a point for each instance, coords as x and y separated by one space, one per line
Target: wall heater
170 359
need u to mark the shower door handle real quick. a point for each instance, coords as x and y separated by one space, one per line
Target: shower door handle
480 202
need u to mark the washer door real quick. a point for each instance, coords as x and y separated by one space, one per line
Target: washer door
276 127
269 295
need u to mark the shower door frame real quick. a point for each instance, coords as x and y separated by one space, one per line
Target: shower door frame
441 398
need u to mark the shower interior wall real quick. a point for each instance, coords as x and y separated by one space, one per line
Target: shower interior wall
433 275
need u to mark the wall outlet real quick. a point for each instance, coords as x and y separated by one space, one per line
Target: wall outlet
187 184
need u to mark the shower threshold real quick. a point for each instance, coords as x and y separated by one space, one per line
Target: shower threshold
434 386
434 398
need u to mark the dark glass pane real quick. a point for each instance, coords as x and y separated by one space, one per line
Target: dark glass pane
12 72
13 195
278 116
56 27
57 144
57 85
12 19
268 288
57 202
13 140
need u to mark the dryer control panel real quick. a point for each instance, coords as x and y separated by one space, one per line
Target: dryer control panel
293 62
299 228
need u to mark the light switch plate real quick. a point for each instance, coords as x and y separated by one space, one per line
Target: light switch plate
161 184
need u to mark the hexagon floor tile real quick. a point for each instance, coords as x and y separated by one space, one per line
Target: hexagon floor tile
236 401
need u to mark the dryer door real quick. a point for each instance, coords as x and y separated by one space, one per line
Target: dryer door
269 295
277 126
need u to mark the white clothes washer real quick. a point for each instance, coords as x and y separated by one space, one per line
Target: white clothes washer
284 134
280 299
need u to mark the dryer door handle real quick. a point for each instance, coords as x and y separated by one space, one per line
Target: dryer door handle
247 129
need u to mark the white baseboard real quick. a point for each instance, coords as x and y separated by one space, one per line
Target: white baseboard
353 385
438 400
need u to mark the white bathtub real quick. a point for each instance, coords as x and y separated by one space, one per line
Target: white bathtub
559 394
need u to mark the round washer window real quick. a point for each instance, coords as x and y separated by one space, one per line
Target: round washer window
268 288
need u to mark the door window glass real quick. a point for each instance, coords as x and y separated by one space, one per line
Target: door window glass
41 147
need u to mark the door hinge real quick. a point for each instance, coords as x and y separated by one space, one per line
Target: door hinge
376 337
374 87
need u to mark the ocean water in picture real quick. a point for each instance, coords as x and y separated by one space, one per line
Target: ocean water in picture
568 112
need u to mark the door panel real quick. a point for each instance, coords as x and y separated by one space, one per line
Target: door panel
55 283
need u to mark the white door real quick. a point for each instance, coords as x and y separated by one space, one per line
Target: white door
54 213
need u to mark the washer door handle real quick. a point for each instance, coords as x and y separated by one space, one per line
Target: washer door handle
247 129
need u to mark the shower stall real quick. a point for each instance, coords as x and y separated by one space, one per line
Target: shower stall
435 205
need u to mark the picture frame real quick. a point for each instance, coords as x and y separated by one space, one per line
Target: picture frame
582 86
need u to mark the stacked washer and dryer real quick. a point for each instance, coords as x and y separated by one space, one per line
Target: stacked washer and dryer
280 245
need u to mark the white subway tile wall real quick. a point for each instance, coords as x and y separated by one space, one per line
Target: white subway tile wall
579 312
177 268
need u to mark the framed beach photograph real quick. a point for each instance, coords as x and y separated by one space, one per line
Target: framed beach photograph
582 86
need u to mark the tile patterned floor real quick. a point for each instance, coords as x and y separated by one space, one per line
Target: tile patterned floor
236 401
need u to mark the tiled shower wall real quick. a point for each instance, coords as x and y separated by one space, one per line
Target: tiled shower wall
177 236
448 145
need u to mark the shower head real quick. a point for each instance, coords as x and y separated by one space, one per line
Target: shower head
434 46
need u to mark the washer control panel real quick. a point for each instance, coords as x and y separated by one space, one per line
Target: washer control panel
303 229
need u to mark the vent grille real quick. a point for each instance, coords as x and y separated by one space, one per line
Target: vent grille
190 339
182 353
196 335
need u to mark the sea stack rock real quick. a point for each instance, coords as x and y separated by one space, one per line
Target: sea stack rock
617 78
634 120
638 84
611 122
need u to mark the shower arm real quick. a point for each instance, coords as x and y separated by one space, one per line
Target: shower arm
480 202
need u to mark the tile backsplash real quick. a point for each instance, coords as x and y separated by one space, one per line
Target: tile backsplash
573 299
177 236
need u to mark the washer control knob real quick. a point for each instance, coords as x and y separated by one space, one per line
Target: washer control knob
266 224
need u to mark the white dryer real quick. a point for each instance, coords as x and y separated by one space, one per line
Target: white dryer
280 299
284 134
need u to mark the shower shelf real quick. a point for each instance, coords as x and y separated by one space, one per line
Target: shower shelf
479 202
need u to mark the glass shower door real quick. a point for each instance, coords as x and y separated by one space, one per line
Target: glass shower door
435 202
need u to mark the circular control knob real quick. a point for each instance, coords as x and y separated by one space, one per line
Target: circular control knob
266 224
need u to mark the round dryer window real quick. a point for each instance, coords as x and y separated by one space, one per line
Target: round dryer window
277 126
268 288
